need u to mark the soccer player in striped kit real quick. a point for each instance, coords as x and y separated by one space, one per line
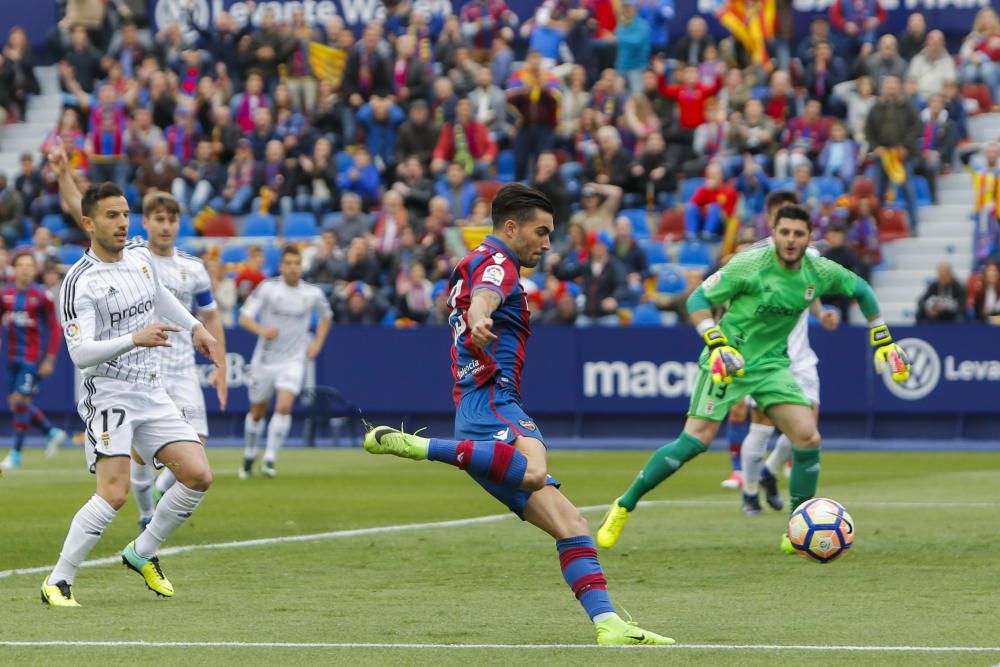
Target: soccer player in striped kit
25 309
111 302
496 442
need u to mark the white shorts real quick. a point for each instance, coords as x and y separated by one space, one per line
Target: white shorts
266 379
808 379
187 394
122 416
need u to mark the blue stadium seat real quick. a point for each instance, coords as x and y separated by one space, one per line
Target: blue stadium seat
654 250
272 258
70 254
782 184
640 221
690 185
260 224
695 253
27 229
233 254
185 229
55 223
923 191
505 166
344 161
646 315
829 186
330 219
671 281
135 227
760 92
300 226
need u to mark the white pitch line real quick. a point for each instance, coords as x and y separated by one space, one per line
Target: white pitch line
338 645
454 523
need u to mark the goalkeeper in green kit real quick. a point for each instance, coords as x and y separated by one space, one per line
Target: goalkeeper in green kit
766 290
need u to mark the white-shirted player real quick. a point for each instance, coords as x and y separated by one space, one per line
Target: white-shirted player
185 276
110 304
757 472
279 313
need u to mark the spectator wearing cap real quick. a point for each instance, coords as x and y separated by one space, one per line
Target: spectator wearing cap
893 131
633 39
417 136
362 177
467 142
534 98
944 300
352 222
237 192
458 190
711 205
11 213
380 119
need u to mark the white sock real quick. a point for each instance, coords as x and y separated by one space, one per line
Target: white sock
603 617
781 453
84 533
165 481
752 456
173 509
277 431
142 487
251 434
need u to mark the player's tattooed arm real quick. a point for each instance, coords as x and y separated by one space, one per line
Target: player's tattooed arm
484 302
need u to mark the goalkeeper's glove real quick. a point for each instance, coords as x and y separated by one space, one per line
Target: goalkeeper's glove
723 361
888 354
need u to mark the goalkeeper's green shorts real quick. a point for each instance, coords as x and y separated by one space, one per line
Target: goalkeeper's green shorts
767 386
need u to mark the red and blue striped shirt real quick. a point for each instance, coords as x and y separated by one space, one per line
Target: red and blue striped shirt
24 314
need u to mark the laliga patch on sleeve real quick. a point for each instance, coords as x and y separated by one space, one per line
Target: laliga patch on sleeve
712 280
71 330
494 274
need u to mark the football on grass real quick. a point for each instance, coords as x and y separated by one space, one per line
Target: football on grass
821 530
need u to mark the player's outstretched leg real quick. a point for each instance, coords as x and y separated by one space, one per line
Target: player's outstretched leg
142 476
500 462
54 437
252 429
194 476
799 424
551 511
20 406
664 462
752 454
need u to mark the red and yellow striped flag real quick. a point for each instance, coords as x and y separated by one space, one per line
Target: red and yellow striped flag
327 63
752 23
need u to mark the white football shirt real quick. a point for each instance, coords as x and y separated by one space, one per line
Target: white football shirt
289 309
186 277
105 300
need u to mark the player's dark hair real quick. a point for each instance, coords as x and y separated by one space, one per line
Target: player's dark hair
96 193
518 203
22 253
793 212
780 198
290 250
160 201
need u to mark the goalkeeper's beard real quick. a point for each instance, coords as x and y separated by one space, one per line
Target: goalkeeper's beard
791 264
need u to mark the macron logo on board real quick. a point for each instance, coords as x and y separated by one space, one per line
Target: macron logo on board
642 379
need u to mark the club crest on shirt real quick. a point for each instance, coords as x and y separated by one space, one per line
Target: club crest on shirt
71 330
528 424
499 258
106 440
494 274
145 272
810 292
712 280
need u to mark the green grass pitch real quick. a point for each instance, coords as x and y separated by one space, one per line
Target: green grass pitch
924 571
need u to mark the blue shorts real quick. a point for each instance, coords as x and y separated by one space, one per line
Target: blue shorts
495 413
23 378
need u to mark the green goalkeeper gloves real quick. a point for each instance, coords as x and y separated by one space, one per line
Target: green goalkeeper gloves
724 361
889 355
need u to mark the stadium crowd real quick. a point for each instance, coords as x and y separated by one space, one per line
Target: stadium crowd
380 153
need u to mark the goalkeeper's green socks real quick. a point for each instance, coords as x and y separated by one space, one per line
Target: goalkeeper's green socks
805 476
664 462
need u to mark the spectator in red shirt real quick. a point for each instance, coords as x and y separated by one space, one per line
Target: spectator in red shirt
251 274
703 216
690 94
466 141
